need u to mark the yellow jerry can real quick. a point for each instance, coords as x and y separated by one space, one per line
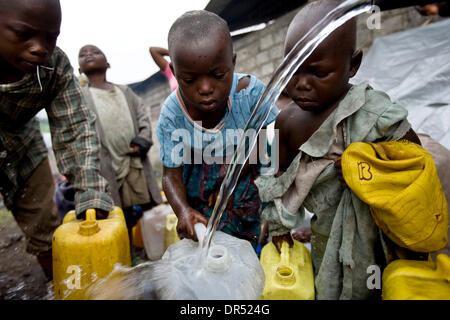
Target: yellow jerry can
417 280
289 275
87 250
171 231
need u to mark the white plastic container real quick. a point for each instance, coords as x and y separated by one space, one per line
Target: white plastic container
231 270
154 232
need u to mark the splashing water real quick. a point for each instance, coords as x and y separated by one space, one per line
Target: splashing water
299 53
230 273
192 269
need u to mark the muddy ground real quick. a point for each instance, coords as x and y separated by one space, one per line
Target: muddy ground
21 277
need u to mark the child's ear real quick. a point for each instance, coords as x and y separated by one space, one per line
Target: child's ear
79 71
356 62
171 68
234 59
108 65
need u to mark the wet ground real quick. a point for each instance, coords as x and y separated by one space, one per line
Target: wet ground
21 277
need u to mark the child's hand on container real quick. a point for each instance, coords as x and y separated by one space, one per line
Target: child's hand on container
99 214
186 221
302 235
278 240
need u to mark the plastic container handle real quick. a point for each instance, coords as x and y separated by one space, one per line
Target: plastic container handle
200 231
285 274
284 254
89 226
90 215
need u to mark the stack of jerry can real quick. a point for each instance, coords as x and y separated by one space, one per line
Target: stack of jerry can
86 250
289 275
417 280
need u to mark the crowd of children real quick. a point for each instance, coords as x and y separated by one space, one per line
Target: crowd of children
101 134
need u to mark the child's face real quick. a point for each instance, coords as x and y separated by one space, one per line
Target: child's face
204 71
28 33
91 58
322 79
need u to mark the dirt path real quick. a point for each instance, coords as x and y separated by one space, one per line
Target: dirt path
21 277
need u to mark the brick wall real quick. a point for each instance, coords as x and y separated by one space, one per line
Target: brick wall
259 53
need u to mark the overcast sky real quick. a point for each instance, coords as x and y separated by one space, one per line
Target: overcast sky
123 30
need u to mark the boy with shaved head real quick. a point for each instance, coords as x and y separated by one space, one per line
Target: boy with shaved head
326 115
36 75
211 104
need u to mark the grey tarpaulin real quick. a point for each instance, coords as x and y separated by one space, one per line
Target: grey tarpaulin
413 67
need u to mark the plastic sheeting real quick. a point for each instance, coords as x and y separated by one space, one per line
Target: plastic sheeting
413 67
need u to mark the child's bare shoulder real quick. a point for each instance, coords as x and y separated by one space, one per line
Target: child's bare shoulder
295 126
291 120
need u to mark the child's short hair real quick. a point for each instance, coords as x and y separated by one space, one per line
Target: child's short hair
196 24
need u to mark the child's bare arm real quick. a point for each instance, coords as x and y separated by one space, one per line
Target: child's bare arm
175 191
158 55
283 144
